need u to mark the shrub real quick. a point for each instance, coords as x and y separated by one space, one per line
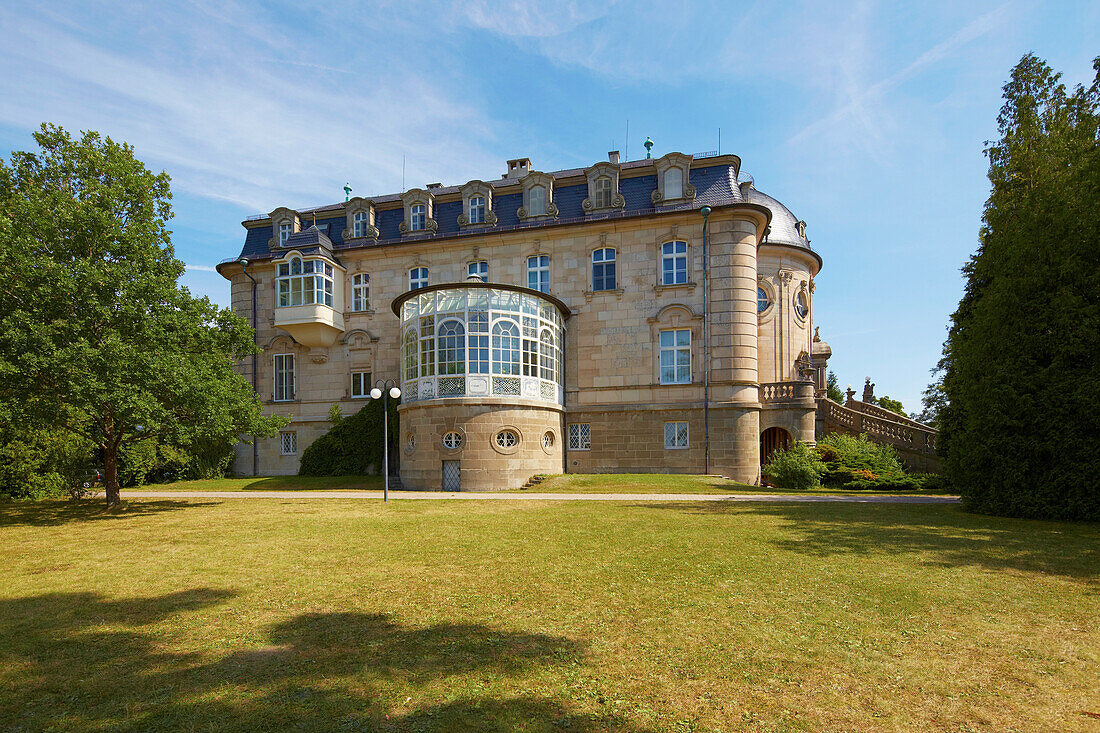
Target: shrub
797 467
857 463
40 464
354 446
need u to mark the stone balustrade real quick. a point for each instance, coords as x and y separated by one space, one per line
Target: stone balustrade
772 392
880 425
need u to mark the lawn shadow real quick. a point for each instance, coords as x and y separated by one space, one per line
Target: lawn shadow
945 534
81 661
52 513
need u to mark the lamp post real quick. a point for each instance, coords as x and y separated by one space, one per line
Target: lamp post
255 448
705 211
384 389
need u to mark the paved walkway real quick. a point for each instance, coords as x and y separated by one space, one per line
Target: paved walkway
402 495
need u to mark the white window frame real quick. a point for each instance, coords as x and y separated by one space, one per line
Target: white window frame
477 209
418 217
288 443
304 281
580 436
363 385
285 230
359 222
480 268
675 349
674 257
360 292
539 269
605 260
678 438
418 278
602 188
276 371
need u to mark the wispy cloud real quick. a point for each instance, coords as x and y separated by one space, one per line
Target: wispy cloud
201 268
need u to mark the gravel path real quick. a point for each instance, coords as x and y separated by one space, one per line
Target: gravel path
402 495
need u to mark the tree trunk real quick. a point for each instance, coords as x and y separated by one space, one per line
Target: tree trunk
110 473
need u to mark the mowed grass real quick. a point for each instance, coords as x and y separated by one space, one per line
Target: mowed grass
293 614
269 483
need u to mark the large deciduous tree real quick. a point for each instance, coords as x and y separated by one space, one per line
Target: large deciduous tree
1020 410
96 336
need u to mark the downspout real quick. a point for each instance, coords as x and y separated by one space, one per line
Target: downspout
705 211
255 342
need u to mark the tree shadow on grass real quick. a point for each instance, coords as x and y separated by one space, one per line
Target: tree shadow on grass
80 661
53 513
945 534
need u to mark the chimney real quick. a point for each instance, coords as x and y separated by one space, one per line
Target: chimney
434 186
518 168
613 156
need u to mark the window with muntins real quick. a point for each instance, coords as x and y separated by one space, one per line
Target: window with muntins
676 435
762 300
538 273
427 346
603 192
417 217
360 292
580 436
418 278
452 348
284 377
505 348
288 443
477 209
479 269
409 346
304 282
285 230
360 384
674 263
537 199
676 356
359 223
478 322
603 269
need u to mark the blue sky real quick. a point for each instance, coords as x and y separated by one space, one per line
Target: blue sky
867 119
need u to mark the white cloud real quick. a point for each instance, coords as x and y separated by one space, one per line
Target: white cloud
201 268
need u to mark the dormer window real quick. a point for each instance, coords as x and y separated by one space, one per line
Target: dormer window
417 217
359 219
602 198
359 224
284 223
477 210
672 179
418 205
285 230
538 196
538 201
674 183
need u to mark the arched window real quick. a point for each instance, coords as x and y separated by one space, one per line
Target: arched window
410 354
417 217
549 366
536 199
603 269
603 192
674 183
477 209
505 348
452 348
303 282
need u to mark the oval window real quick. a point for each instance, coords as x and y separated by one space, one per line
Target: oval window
762 300
507 439
410 442
452 440
801 307
548 440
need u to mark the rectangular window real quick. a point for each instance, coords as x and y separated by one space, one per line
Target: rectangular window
288 443
359 224
537 201
674 183
417 217
418 278
676 356
674 263
477 210
284 377
479 269
603 269
676 435
538 273
603 193
478 322
304 282
285 230
360 384
580 436
360 292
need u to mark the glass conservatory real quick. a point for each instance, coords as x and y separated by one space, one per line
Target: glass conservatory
477 339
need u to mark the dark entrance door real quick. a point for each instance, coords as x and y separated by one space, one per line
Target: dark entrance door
771 440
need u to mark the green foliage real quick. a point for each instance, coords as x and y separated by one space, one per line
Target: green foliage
858 463
886 403
797 467
832 388
335 414
933 400
96 336
42 464
1021 410
354 446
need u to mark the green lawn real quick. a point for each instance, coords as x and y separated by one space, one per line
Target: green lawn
284 614
270 483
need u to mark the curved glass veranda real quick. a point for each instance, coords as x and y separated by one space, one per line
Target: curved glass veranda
481 339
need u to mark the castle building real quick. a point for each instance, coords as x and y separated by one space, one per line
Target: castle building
652 315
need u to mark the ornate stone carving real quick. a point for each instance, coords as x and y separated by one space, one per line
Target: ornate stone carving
371 232
785 276
587 205
317 356
462 220
521 213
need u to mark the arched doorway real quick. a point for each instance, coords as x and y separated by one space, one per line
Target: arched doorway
771 440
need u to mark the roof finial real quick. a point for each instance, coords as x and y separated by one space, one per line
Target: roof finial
347 191
648 144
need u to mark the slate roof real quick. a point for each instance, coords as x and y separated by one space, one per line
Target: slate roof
715 185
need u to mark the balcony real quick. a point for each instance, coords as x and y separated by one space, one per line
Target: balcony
312 325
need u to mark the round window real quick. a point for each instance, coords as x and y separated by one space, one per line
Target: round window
801 307
452 440
507 439
762 300
547 440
